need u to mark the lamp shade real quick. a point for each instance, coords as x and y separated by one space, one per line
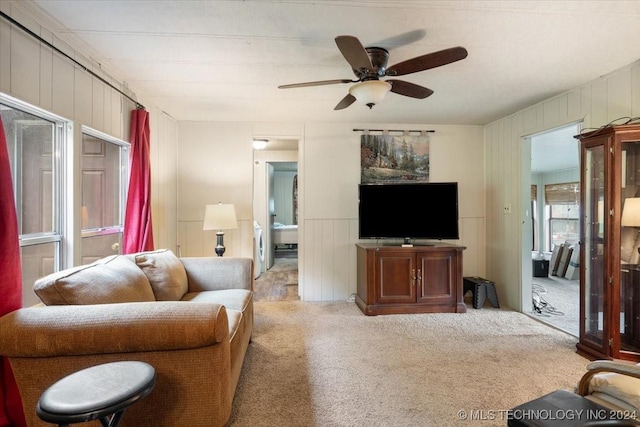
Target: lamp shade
220 217
631 212
370 92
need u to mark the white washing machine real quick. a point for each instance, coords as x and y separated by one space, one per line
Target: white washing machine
258 246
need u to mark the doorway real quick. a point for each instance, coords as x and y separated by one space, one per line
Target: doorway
550 273
275 212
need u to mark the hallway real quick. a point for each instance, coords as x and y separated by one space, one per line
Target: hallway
279 283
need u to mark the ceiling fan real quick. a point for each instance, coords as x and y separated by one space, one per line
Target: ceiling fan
370 64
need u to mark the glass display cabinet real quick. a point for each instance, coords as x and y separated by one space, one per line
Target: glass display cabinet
610 239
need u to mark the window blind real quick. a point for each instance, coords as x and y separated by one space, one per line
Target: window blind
567 193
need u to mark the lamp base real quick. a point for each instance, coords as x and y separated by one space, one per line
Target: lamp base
220 243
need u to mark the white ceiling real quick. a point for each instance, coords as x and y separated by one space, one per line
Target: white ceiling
223 60
556 150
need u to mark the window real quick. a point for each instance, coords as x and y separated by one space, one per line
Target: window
49 203
104 173
563 212
36 141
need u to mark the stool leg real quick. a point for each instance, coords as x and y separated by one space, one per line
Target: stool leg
492 295
480 295
112 420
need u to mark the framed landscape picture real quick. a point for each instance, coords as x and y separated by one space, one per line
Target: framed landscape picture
389 158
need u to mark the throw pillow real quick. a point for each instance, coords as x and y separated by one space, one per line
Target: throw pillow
165 272
113 279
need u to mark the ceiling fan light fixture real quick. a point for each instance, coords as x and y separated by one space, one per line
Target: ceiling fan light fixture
370 92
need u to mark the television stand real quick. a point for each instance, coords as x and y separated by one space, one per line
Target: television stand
419 279
405 244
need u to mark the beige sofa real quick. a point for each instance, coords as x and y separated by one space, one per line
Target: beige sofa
190 318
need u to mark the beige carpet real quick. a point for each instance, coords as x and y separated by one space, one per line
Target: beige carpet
561 302
326 364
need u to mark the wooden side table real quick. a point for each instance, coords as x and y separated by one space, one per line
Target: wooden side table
102 392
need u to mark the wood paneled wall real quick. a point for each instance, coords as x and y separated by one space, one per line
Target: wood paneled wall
328 178
595 104
36 74
329 193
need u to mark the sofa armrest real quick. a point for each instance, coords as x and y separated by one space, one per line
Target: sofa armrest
111 328
211 274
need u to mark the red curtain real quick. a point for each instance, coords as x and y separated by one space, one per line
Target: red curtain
10 286
138 234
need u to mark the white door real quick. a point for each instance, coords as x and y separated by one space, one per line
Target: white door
271 216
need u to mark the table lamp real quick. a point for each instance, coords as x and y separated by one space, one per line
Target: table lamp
631 213
220 217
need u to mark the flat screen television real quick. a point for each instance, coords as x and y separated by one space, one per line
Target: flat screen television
409 211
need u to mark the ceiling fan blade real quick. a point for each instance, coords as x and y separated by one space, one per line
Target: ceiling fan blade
401 39
318 83
345 102
409 89
425 62
354 52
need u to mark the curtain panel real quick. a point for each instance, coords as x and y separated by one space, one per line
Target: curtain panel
11 285
138 233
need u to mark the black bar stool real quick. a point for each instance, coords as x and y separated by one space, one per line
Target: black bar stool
101 392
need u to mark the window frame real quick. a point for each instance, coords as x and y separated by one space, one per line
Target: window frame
551 219
561 194
124 148
61 224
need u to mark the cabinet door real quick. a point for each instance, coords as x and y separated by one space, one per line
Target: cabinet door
626 299
395 278
436 273
594 293
594 316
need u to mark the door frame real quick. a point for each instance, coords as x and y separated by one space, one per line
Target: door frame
526 269
260 194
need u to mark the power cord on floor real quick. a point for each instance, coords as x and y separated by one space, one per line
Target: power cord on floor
541 306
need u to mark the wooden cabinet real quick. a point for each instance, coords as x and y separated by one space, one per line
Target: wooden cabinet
610 239
419 279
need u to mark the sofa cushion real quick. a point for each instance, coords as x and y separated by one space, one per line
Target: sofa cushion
622 387
113 279
165 272
235 299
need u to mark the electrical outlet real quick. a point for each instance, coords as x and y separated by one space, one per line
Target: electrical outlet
507 209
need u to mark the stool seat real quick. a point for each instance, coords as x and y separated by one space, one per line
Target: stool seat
97 392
